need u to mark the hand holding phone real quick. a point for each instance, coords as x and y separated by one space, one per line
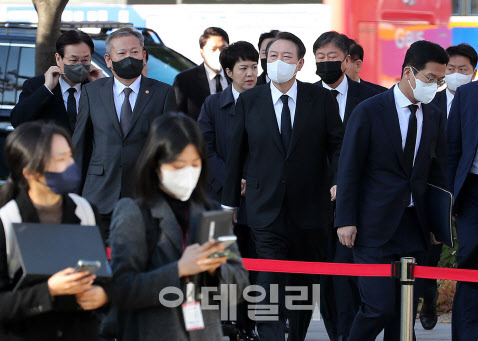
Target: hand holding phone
89 266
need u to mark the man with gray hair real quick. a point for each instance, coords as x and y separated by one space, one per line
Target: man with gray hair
113 121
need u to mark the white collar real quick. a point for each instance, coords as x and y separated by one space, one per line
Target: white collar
235 93
276 93
402 100
65 86
118 87
342 88
211 73
449 97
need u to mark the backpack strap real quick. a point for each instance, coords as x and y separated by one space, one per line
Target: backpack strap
84 211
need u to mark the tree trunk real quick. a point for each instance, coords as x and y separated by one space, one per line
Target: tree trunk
49 20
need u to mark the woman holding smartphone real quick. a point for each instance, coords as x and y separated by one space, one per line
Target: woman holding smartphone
39 190
170 186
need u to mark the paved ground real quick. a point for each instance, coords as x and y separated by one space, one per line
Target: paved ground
441 332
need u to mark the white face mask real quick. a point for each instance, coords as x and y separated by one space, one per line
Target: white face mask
181 182
456 79
281 72
212 60
423 92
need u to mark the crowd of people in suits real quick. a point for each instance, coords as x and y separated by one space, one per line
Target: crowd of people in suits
333 171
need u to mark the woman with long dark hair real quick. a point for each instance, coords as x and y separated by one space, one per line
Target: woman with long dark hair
153 247
40 189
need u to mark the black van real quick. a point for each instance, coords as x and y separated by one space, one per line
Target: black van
17 62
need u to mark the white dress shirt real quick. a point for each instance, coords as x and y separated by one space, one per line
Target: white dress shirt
118 94
401 104
235 94
277 102
449 101
64 86
210 74
342 88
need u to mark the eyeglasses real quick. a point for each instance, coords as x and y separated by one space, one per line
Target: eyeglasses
430 80
76 61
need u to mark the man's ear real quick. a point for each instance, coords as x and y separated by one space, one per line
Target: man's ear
359 65
300 65
474 75
229 73
58 59
201 51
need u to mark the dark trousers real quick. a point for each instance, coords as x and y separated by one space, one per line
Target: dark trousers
347 295
328 306
380 296
430 288
245 242
283 241
465 303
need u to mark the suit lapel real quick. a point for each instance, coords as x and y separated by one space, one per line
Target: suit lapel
269 112
168 223
392 125
424 146
59 96
302 112
146 92
202 79
106 94
353 99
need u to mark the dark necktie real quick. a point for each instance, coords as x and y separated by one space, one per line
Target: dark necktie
218 83
126 111
285 122
335 93
409 150
71 108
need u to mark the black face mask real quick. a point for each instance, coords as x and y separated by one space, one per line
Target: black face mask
264 64
128 68
329 72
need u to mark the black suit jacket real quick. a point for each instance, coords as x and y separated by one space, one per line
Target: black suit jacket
106 156
297 177
262 78
377 87
37 103
440 101
356 94
373 186
192 88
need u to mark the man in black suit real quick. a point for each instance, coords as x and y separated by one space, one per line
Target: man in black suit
394 146
355 66
288 133
54 96
264 39
194 85
331 51
113 121
460 70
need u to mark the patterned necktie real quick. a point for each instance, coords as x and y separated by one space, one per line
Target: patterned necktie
126 111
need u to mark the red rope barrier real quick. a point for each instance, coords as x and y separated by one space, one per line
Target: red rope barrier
344 269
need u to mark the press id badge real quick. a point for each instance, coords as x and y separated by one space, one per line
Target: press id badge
192 310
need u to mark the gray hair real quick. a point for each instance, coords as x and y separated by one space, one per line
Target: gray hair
123 32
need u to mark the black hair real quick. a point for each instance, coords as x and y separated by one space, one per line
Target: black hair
168 136
290 37
73 37
28 146
422 52
341 41
241 50
356 51
267 35
211 32
464 50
